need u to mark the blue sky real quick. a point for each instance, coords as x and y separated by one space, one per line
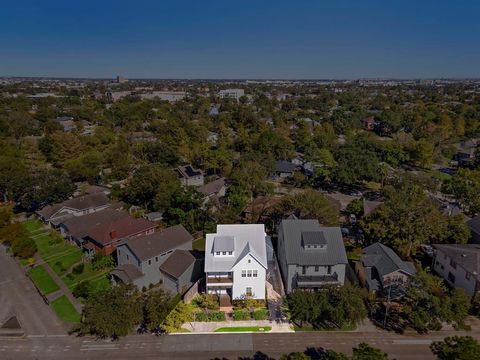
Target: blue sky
240 39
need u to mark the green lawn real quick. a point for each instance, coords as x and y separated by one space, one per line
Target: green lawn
244 329
348 327
63 263
88 274
44 282
65 310
199 244
32 225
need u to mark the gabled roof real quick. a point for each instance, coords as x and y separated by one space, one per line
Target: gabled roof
467 256
212 187
177 263
119 229
333 253
474 224
284 166
248 239
78 226
146 247
127 273
385 260
187 171
78 203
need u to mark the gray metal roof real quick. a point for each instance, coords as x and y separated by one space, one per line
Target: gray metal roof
295 253
385 260
223 243
313 238
249 239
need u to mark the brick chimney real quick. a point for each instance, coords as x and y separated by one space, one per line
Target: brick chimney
113 234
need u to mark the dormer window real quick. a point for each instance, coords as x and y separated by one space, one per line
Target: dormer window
217 253
223 245
313 240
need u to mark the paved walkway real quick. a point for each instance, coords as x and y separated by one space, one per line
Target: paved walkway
64 290
204 327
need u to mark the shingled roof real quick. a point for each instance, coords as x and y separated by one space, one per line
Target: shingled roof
385 260
467 256
78 203
145 247
212 187
177 263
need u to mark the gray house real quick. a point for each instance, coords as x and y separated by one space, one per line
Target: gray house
180 271
189 176
310 256
383 269
140 258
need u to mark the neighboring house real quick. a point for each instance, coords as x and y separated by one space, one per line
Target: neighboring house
216 188
106 237
466 152
310 256
75 229
236 261
383 269
231 93
139 258
459 265
154 216
78 206
284 169
189 176
474 225
180 271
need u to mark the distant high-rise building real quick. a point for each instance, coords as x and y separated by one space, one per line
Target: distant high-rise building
121 79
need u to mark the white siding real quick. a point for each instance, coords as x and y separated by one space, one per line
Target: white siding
240 284
443 267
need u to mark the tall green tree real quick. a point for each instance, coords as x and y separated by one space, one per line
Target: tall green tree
456 348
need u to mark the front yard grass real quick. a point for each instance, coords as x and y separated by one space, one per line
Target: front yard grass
244 329
43 280
348 327
62 263
65 310
32 225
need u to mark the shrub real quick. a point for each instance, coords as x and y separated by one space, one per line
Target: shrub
216 316
239 315
201 316
206 301
261 314
70 276
83 289
24 247
60 266
101 262
78 269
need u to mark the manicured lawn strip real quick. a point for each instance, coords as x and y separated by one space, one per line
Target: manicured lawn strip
44 282
348 327
66 261
32 225
88 274
65 310
244 329
182 330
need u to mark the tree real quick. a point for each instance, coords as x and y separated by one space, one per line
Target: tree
295 356
158 305
405 220
152 187
456 348
355 207
465 186
14 177
112 313
181 314
308 204
366 352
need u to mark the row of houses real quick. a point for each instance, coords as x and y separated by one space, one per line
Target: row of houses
237 257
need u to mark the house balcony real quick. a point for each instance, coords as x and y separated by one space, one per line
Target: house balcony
218 281
315 281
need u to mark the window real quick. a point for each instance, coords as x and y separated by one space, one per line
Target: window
127 256
244 273
249 273
230 253
436 262
149 262
248 291
156 258
467 275
329 269
255 273
304 270
217 253
453 264
249 261
451 278
316 268
224 253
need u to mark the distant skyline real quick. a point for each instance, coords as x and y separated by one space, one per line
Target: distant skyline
302 39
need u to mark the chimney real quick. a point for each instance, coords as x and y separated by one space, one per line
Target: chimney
113 234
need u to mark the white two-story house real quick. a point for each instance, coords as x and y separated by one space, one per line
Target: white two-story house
236 261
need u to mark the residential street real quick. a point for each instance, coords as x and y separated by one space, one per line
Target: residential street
46 337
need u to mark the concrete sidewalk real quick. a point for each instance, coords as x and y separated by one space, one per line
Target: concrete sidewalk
206 327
